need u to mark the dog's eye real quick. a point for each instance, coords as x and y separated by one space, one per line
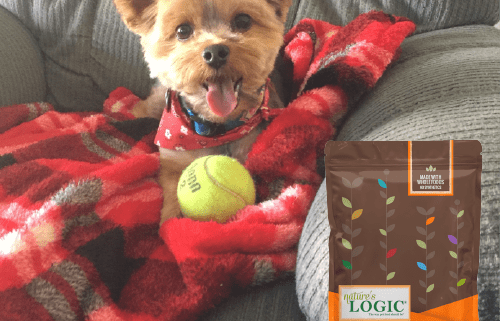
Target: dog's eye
184 31
242 22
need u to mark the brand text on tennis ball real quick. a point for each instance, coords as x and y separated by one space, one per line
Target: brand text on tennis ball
214 188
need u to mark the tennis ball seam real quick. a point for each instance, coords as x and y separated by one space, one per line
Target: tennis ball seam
221 186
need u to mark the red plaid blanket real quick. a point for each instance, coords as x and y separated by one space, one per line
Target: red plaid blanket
79 203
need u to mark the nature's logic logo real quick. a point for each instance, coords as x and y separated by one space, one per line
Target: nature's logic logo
379 302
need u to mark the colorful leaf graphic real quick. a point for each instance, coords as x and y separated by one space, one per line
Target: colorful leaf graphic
357 182
356 275
390 213
453 254
346 244
429 220
357 214
383 232
390 200
461 282
421 244
347 264
390 275
430 288
391 253
461 213
422 266
382 183
452 239
346 202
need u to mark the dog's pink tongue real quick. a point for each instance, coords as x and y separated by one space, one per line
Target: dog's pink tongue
221 97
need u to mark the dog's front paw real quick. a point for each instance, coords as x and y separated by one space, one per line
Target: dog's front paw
152 106
140 109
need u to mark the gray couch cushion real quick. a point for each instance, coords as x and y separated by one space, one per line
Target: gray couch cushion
427 14
446 85
21 67
87 50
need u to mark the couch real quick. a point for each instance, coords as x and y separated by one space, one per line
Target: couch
445 85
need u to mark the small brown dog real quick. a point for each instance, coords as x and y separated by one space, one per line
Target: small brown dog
213 59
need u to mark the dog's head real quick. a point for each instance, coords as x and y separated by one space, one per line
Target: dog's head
216 53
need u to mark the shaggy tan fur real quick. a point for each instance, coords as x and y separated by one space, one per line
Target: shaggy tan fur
178 64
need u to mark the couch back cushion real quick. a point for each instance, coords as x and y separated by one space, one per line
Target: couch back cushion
87 50
427 14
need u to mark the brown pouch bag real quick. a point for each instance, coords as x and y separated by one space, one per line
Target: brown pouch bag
405 225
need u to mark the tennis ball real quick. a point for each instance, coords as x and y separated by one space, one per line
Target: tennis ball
214 188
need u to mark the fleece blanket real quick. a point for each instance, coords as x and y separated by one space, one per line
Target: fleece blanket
80 207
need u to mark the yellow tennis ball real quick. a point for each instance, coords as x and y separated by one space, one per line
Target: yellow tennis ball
214 188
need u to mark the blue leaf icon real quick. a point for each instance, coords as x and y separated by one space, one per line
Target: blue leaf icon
382 183
422 266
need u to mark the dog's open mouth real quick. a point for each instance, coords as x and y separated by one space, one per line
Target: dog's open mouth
222 95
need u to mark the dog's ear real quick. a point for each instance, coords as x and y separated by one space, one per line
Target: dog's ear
281 8
138 15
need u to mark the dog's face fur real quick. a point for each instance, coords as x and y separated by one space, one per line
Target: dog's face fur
216 53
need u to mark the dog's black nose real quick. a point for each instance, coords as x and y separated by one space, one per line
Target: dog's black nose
216 55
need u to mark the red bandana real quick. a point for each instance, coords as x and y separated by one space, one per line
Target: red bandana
175 130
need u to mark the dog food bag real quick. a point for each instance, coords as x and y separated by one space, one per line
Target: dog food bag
405 222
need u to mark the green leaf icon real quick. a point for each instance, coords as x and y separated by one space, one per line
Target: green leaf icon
346 202
461 213
347 264
383 232
421 244
346 244
453 254
430 288
461 282
390 200
391 275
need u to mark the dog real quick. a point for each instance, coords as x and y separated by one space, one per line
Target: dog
213 60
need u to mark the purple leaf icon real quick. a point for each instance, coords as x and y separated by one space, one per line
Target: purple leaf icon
452 239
